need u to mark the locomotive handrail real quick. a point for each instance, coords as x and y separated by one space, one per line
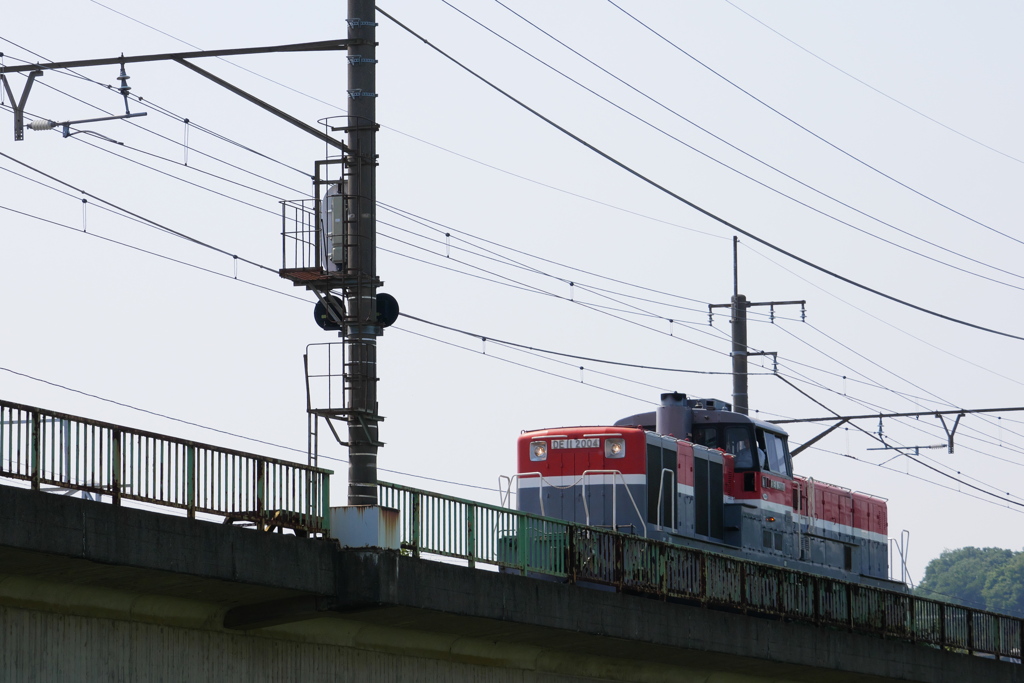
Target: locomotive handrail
586 508
506 494
436 524
47 448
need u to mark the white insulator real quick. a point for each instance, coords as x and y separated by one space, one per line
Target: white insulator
42 124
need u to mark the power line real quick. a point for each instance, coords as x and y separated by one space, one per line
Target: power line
445 229
523 365
141 219
958 253
506 261
815 135
871 87
693 205
888 324
548 352
153 253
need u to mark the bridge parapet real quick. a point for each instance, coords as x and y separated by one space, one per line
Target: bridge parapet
440 525
47 448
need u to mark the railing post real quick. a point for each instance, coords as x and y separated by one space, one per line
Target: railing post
942 625
1020 639
190 465
620 568
571 553
912 613
744 599
416 525
325 503
702 565
471 534
522 527
970 631
35 455
115 466
816 586
663 551
261 493
849 605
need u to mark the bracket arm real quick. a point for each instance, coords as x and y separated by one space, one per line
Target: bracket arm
19 105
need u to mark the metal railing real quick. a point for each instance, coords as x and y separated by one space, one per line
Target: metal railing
300 235
435 524
53 449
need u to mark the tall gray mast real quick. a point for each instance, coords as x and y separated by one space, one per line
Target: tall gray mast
360 266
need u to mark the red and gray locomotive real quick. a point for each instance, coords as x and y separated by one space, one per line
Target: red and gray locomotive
697 474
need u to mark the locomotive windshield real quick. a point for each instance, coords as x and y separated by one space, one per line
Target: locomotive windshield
741 441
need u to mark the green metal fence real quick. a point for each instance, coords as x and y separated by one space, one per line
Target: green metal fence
435 524
68 452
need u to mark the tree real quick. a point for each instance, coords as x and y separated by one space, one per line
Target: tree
982 578
1004 588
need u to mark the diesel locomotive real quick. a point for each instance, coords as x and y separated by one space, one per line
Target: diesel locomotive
697 474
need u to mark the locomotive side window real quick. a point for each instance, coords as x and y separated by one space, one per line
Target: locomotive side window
778 454
772 453
706 436
738 442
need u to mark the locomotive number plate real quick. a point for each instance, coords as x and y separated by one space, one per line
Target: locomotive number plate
575 443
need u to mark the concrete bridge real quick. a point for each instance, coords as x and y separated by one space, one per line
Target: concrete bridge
92 591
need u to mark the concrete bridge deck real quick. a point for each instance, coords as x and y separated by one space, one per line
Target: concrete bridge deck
90 591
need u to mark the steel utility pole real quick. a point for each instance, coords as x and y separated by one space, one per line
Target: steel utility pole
361 327
740 350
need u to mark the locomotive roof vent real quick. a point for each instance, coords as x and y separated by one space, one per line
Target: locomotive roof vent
709 404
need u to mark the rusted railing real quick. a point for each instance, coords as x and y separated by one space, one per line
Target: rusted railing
435 524
68 452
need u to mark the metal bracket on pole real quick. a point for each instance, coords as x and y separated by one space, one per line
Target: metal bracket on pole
336 316
19 105
949 432
807 444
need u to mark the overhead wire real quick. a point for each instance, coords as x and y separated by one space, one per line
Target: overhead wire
441 228
958 253
871 87
563 354
816 135
696 207
597 291
142 219
523 365
153 253
897 328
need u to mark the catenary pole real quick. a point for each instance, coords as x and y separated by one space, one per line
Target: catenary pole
360 268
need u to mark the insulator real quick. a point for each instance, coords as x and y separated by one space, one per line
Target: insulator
42 124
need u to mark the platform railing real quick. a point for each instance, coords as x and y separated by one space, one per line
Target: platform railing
449 527
52 449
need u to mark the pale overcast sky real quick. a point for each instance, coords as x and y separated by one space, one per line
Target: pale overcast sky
885 147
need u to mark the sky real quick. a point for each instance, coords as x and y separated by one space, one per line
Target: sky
877 141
